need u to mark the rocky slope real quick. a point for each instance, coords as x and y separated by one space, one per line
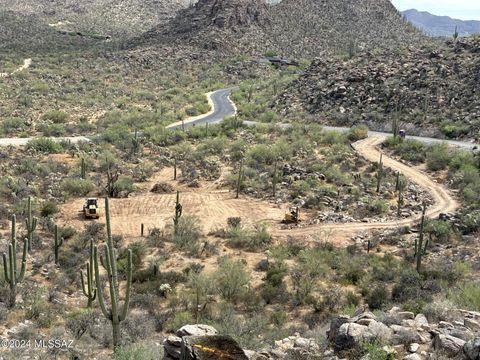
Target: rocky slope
441 25
397 334
298 28
430 85
105 17
27 34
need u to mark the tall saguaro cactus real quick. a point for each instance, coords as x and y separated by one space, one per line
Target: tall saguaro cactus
30 223
420 249
10 269
239 180
178 213
380 173
116 313
83 169
88 286
57 244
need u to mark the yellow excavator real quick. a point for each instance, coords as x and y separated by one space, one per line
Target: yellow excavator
292 216
91 209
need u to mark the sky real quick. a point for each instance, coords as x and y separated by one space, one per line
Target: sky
459 9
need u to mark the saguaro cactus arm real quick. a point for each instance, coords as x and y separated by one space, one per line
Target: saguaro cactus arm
101 299
126 304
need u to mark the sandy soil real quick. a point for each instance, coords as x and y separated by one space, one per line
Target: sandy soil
213 206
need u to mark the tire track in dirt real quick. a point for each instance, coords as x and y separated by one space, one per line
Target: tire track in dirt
443 202
213 208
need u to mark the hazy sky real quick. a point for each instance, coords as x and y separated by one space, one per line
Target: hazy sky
459 9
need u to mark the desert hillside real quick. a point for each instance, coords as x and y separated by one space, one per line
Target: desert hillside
431 86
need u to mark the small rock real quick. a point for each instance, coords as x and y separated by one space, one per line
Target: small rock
413 348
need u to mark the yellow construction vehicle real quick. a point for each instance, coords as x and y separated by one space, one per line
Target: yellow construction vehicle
90 209
292 216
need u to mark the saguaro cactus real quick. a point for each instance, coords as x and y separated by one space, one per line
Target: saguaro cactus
380 173
57 244
420 250
239 180
178 213
88 287
175 168
10 270
116 314
135 144
30 223
274 178
83 169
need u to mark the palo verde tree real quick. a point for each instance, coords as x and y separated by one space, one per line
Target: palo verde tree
10 268
116 313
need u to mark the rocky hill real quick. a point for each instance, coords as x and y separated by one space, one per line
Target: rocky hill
441 25
428 86
299 28
104 17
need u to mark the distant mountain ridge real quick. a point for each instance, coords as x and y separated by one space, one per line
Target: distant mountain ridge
441 25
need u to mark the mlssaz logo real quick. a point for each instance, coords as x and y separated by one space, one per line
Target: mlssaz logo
54 344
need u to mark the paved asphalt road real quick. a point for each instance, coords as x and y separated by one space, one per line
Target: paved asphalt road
224 107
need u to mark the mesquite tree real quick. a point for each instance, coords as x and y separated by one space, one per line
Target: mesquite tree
116 313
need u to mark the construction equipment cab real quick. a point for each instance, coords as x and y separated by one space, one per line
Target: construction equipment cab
90 209
292 216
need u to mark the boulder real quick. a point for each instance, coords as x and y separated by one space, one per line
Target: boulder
196 330
448 344
471 349
211 347
350 335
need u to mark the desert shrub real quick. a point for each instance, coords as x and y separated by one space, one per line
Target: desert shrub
139 352
440 230
55 116
188 234
231 279
357 133
375 206
451 130
13 124
408 286
467 296
438 157
137 326
80 322
49 208
77 187
410 150
377 297
44 145
123 187
180 319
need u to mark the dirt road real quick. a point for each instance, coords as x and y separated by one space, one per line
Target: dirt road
443 201
214 206
26 65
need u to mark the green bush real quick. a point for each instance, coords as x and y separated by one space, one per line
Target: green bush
377 297
438 157
49 208
358 133
467 296
55 116
44 145
13 124
231 279
77 187
188 234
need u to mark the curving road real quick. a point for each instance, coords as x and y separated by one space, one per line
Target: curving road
223 107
